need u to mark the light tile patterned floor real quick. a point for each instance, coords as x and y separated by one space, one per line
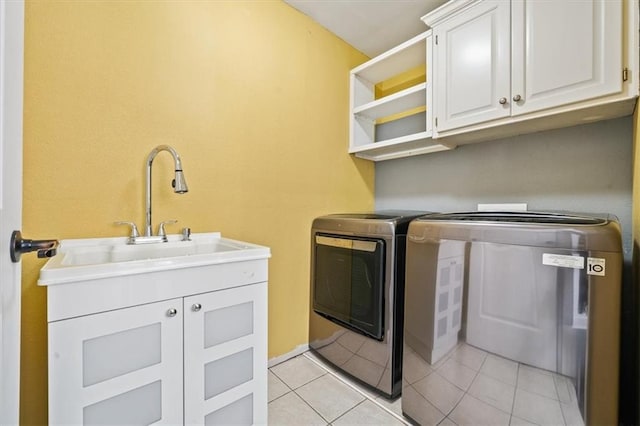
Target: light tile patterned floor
468 387
307 391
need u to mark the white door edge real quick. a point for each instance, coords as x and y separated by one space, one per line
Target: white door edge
11 92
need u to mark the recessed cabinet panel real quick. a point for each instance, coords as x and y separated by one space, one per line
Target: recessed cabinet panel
228 372
140 406
229 323
237 413
539 19
472 55
565 52
115 354
474 43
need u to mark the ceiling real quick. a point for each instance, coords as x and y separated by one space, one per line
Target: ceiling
371 26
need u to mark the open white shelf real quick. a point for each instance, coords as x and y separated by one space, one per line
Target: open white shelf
407 99
410 133
397 60
404 146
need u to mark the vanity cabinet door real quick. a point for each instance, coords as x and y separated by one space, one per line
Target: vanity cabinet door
225 354
472 60
117 367
565 52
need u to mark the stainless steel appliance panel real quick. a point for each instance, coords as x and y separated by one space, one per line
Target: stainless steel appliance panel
357 295
539 289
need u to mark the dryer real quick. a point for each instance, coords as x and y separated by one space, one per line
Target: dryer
357 294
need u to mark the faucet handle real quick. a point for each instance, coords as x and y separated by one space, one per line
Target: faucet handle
161 231
134 228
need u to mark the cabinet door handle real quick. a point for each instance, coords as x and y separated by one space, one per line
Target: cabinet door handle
196 307
517 98
172 312
502 101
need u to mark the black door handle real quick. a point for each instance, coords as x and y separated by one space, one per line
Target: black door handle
45 248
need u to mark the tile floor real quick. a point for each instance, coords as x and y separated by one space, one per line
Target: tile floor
468 387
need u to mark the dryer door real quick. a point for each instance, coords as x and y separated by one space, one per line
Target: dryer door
348 282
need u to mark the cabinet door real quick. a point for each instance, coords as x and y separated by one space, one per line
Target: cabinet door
564 52
472 55
118 367
225 350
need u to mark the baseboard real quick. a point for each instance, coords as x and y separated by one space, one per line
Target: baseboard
294 353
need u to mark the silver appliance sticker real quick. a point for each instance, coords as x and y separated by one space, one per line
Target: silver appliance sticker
595 266
563 261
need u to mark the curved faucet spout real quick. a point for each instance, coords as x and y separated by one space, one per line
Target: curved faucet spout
179 183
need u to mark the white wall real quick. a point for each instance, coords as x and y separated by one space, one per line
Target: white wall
585 168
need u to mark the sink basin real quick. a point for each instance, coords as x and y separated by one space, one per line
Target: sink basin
83 259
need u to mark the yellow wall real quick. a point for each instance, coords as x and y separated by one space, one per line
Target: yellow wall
253 95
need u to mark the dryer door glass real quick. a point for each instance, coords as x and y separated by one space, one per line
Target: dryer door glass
348 282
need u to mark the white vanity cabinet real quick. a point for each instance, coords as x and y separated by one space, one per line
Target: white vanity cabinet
501 62
126 366
117 367
179 340
225 346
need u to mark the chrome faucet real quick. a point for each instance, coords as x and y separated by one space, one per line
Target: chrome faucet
179 184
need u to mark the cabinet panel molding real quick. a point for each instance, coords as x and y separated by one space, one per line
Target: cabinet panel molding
565 52
472 74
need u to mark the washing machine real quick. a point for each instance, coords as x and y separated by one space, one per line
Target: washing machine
535 292
357 295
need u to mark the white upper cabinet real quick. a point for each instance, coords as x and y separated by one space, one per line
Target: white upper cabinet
497 68
472 55
531 64
564 52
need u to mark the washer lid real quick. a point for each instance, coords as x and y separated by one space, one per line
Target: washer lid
520 217
384 215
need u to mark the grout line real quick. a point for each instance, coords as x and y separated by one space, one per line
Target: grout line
354 387
311 406
555 385
350 410
291 390
515 390
466 392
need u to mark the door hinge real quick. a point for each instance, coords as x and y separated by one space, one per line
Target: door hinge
436 39
625 74
436 121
